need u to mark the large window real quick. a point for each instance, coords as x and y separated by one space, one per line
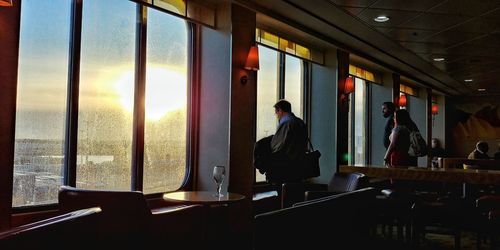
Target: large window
280 76
358 136
294 84
166 103
108 81
41 101
105 117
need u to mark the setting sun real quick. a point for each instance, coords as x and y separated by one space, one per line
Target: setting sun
166 91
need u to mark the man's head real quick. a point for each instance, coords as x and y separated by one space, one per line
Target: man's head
388 109
482 146
282 107
435 143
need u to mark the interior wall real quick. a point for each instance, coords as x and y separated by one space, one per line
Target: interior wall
471 119
214 99
323 118
417 107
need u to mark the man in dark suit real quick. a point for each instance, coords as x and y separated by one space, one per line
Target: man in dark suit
288 145
388 109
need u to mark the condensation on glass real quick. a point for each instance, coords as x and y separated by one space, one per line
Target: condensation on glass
106 95
166 103
41 102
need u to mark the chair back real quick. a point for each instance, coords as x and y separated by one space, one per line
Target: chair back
345 182
125 214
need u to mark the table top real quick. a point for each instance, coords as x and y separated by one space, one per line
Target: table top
202 197
428 174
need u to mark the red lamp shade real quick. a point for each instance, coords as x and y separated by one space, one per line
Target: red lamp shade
348 85
252 62
434 109
402 100
5 2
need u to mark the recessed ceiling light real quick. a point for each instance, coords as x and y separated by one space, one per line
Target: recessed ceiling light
481 90
438 59
468 80
381 19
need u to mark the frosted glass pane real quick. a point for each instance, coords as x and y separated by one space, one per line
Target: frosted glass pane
41 101
106 95
166 103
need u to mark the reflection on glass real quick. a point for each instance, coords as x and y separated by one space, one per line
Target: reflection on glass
293 84
41 101
267 95
166 103
106 95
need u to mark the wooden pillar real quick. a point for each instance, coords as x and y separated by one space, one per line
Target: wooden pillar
342 109
243 106
9 53
396 83
429 125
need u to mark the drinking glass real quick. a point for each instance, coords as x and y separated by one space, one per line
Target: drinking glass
219 174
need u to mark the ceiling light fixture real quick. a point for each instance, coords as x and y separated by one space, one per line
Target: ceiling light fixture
481 90
381 19
468 80
438 59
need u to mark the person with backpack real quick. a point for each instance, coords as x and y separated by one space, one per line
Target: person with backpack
418 146
397 151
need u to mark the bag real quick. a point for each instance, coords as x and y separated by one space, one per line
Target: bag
418 146
311 168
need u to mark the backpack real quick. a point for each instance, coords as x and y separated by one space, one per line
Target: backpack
418 146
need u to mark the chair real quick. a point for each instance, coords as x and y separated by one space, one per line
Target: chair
293 192
441 216
339 183
128 221
75 228
488 208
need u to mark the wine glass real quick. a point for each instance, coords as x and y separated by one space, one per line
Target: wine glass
219 174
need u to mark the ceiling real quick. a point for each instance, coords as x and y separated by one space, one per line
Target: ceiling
465 33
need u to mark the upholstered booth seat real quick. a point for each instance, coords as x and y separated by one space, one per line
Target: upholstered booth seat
341 221
74 228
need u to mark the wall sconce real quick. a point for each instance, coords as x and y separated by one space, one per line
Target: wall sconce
349 85
402 101
252 62
434 111
348 88
5 2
